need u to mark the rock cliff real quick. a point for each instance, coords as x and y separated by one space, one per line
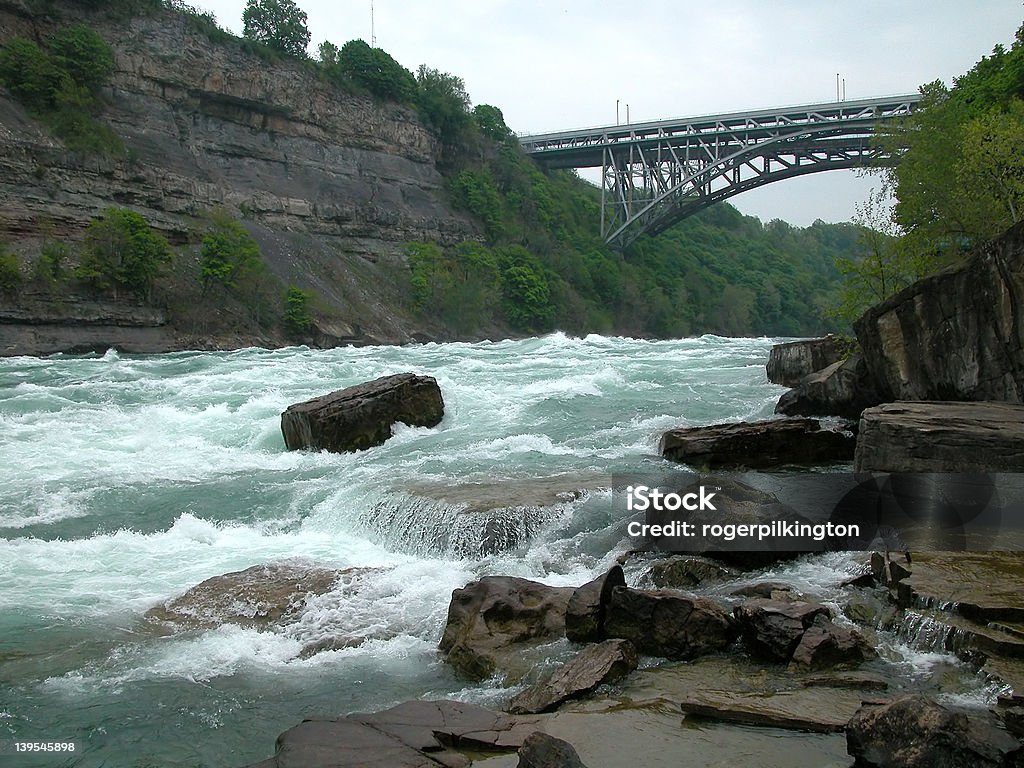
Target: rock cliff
331 184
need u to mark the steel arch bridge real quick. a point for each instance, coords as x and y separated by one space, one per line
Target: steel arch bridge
657 173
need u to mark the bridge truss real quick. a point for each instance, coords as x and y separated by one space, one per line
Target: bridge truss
657 173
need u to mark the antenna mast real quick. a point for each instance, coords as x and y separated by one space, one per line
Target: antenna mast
373 37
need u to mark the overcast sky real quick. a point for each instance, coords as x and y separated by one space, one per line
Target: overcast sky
562 65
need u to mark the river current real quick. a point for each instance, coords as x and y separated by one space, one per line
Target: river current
127 480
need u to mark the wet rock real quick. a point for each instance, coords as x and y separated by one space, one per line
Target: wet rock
488 618
870 608
362 416
916 732
543 751
941 437
826 645
842 389
687 572
853 680
585 612
790 362
257 597
755 710
668 624
981 586
758 444
595 665
416 734
772 629
769 590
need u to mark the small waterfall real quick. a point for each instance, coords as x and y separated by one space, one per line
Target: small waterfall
926 633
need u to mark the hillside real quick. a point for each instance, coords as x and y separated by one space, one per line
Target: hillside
393 234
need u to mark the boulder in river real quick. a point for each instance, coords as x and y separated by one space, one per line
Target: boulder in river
790 362
489 621
941 437
772 629
668 624
362 416
758 444
916 732
543 751
827 645
842 389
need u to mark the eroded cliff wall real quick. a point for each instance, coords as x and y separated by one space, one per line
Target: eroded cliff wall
332 185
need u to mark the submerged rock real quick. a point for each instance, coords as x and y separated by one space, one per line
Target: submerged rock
489 620
916 732
362 416
758 444
596 664
257 597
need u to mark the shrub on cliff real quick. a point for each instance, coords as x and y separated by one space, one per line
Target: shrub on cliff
122 253
297 318
279 24
228 255
10 272
356 63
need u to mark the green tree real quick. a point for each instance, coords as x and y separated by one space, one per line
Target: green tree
375 70
297 318
121 252
279 24
525 290
491 122
85 56
228 254
443 103
10 272
990 170
30 74
475 191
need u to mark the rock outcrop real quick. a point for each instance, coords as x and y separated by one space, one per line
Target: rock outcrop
588 606
772 629
956 335
789 363
491 620
543 751
362 416
668 624
758 444
916 732
843 388
941 437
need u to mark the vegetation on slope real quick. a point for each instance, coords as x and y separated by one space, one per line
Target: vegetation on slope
539 263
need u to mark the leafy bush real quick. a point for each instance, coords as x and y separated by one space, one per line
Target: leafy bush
121 252
228 253
279 24
443 104
83 55
50 267
370 68
10 272
475 191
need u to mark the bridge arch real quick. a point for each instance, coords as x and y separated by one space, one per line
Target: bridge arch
655 174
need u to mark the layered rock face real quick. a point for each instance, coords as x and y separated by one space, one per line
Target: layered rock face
957 335
332 185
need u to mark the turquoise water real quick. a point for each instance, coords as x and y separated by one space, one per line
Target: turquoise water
127 480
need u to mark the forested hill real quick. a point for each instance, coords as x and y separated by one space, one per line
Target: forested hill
257 195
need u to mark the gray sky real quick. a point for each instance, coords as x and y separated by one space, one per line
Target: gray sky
562 65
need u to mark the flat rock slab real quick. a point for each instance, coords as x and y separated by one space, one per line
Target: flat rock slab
982 586
941 437
596 664
786 710
416 734
758 444
362 416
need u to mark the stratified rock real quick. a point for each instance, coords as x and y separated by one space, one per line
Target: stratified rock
759 711
360 417
941 437
687 572
772 629
842 389
758 444
488 616
916 732
668 624
543 751
790 362
596 664
955 335
585 613
826 645
256 597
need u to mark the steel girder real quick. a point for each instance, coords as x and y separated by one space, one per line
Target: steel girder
655 174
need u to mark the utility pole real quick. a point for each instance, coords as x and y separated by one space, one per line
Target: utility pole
616 111
373 36
837 86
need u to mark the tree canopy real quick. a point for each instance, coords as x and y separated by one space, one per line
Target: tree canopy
279 24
